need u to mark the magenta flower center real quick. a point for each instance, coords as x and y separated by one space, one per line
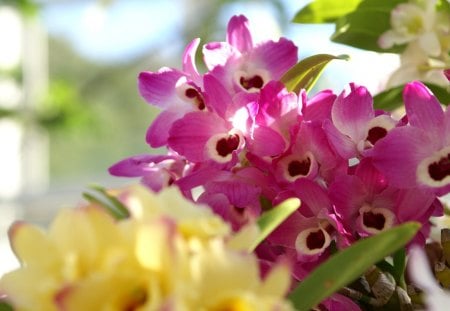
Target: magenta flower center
315 240
227 145
375 134
256 82
296 167
196 97
440 169
374 220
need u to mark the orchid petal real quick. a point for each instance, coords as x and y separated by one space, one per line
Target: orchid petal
217 54
238 33
319 107
423 109
189 66
137 165
399 153
348 194
276 57
238 193
188 135
158 132
343 145
413 203
351 112
311 194
375 181
158 88
266 142
429 42
218 97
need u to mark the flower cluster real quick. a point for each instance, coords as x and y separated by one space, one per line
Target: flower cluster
169 255
240 142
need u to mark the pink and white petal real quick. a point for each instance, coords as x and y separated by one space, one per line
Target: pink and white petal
319 106
238 33
158 132
158 88
156 179
348 194
352 112
201 177
188 135
286 233
411 204
341 143
238 193
446 129
217 53
314 139
266 142
423 109
399 153
371 177
312 195
217 201
137 165
276 57
189 66
217 95
220 204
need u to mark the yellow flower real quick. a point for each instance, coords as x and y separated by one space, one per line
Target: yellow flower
227 280
174 256
87 259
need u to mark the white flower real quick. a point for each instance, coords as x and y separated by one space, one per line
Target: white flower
417 21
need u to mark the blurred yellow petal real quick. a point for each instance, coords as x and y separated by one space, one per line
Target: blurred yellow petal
244 239
30 289
277 282
32 246
193 220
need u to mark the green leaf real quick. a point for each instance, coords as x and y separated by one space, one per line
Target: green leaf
443 5
393 98
4 306
108 202
363 27
304 74
325 11
347 265
270 220
399 259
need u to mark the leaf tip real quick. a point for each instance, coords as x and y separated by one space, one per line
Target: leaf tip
343 57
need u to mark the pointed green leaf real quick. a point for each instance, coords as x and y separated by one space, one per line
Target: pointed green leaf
270 220
304 74
347 265
325 11
393 98
399 259
109 202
